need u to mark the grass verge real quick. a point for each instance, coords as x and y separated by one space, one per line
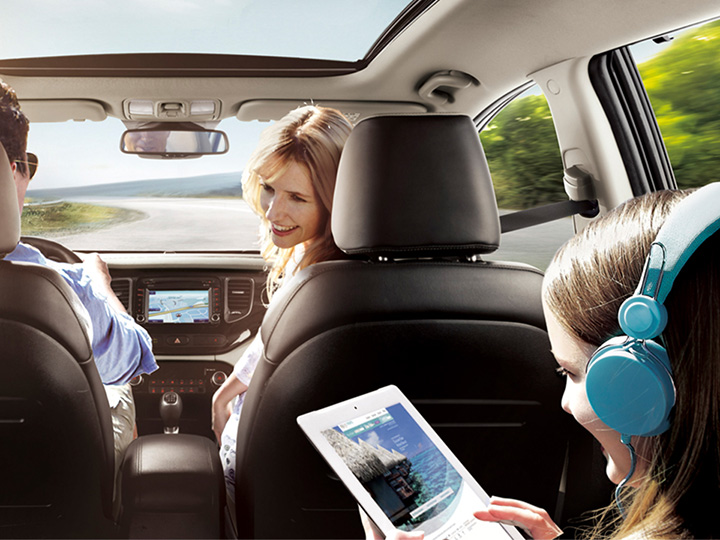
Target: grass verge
70 218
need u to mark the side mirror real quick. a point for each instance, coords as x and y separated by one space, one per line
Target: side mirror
170 143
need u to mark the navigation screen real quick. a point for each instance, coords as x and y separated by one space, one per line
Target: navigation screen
179 306
409 477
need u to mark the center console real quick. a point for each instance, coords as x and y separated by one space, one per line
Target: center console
197 318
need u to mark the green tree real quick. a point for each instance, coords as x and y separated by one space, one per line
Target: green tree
523 155
682 83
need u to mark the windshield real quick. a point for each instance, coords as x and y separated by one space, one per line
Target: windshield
89 195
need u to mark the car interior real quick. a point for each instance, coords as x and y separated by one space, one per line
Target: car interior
439 292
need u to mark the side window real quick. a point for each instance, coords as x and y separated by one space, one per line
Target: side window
681 75
527 171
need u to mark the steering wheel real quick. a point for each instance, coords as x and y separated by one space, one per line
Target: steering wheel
52 250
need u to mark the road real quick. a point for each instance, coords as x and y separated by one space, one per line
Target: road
534 245
172 224
188 224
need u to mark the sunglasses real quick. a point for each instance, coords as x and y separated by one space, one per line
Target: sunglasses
31 164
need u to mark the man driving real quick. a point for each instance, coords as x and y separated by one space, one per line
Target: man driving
121 348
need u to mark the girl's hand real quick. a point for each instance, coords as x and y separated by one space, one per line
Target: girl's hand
534 520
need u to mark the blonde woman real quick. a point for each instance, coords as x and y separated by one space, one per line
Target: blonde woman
289 182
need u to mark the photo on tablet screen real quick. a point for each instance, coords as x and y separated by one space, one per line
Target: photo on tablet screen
407 475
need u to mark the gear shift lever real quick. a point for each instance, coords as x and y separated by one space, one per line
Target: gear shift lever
170 411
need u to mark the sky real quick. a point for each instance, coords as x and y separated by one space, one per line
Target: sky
81 153
403 435
333 29
73 154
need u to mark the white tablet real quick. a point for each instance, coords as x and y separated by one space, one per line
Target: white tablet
398 469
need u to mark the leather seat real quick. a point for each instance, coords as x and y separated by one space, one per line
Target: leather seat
56 442
417 307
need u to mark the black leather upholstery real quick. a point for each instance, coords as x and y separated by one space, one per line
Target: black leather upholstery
415 186
464 339
172 487
56 442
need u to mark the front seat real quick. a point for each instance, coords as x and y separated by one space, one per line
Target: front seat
417 307
56 442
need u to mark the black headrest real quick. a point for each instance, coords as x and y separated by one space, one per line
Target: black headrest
415 186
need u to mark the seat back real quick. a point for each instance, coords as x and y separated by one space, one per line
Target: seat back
56 446
464 339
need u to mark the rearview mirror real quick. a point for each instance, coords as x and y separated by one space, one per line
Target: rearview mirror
173 143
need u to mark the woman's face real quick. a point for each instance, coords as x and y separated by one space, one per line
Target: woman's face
292 207
573 354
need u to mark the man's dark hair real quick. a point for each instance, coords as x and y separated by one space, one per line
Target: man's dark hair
14 126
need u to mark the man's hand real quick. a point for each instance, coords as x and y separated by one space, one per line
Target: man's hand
98 271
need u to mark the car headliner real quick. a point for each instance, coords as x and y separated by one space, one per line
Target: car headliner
499 43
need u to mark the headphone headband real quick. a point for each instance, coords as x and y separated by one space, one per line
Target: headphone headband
691 222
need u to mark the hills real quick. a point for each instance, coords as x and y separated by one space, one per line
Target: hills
211 185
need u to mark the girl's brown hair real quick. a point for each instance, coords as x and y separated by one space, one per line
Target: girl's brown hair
584 286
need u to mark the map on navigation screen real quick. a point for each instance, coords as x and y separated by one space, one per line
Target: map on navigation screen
178 306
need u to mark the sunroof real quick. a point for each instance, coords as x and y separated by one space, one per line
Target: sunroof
341 30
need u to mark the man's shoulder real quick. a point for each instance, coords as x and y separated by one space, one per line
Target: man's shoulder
26 253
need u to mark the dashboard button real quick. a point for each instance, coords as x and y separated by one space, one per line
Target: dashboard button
218 378
212 339
177 340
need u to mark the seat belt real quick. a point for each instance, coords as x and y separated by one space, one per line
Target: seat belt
550 212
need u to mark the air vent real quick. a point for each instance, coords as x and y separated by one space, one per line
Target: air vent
238 298
121 288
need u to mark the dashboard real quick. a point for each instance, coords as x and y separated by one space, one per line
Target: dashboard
193 312
200 320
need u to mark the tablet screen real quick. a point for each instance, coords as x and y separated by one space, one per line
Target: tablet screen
408 476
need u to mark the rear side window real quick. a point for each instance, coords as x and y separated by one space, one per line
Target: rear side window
527 171
681 75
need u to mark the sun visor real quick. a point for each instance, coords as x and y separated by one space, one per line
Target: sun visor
62 110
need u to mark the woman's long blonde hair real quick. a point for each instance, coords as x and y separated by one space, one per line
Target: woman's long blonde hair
313 138
590 276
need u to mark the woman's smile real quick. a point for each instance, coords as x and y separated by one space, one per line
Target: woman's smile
282 231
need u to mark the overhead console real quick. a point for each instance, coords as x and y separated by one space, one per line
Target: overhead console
193 313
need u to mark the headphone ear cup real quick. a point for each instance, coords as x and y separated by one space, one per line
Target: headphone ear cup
629 386
642 317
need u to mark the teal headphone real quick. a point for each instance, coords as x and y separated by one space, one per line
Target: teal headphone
629 379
